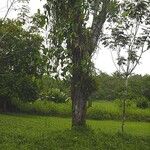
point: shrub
(57, 96)
(14, 87)
(142, 102)
(27, 89)
(129, 103)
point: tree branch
(98, 21)
(8, 10)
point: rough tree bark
(78, 102)
(77, 90)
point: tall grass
(111, 110)
(100, 110)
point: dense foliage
(20, 62)
(111, 87)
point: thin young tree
(129, 39)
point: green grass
(100, 110)
(28, 132)
(110, 110)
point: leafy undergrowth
(26, 132)
(100, 110)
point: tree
(130, 38)
(20, 62)
(72, 44)
(20, 49)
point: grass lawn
(28, 132)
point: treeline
(108, 87)
(111, 87)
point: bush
(14, 87)
(27, 89)
(103, 110)
(129, 103)
(57, 96)
(142, 103)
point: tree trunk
(77, 89)
(78, 109)
(124, 104)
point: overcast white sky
(102, 58)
